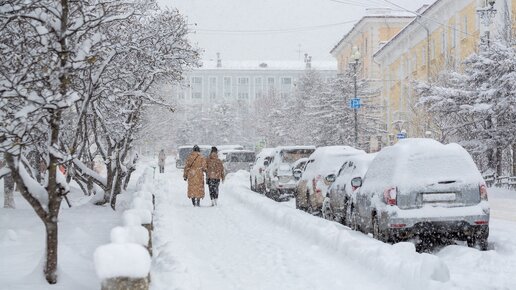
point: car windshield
(292, 155)
(241, 157)
(184, 152)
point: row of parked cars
(415, 188)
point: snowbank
(400, 261)
(137, 217)
(113, 260)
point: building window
(213, 95)
(454, 36)
(270, 81)
(227, 94)
(414, 62)
(181, 95)
(465, 26)
(432, 49)
(443, 42)
(243, 81)
(213, 82)
(258, 81)
(227, 82)
(258, 94)
(196, 95)
(284, 95)
(197, 80)
(286, 81)
(423, 56)
(242, 95)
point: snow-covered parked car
(420, 187)
(341, 192)
(279, 180)
(184, 151)
(316, 177)
(237, 160)
(257, 176)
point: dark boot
(193, 201)
(198, 202)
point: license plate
(439, 197)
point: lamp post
(356, 57)
(487, 14)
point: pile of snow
(122, 260)
(130, 234)
(137, 217)
(399, 261)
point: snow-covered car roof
(418, 162)
(266, 152)
(191, 147)
(335, 150)
(234, 151)
(230, 147)
(279, 148)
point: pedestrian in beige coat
(195, 167)
(215, 173)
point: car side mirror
(331, 178)
(356, 182)
(266, 163)
(297, 174)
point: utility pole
(355, 104)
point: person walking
(215, 173)
(193, 173)
(161, 161)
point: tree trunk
(128, 177)
(499, 171)
(9, 192)
(514, 159)
(51, 262)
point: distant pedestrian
(215, 173)
(161, 161)
(195, 167)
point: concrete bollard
(124, 283)
(123, 266)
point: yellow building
(367, 35)
(440, 37)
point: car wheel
(377, 234)
(344, 214)
(350, 217)
(251, 183)
(327, 213)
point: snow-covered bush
(122, 260)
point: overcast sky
(274, 29)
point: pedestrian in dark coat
(215, 173)
(195, 167)
(161, 161)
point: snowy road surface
(250, 242)
(233, 247)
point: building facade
(366, 37)
(244, 82)
(440, 37)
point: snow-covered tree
(477, 106)
(73, 73)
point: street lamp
(356, 57)
(487, 14)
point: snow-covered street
(251, 242)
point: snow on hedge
(122, 260)
(130, 234)
(400, 261)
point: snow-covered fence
(418, 271)
(125, 262)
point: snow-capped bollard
(123, 266)
(131, 234)
(137, 217)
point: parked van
(237, 160)
(184, 151)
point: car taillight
(483, 191)
(389, 196)
(314, 181)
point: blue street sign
(401, 135)
(355, 103)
